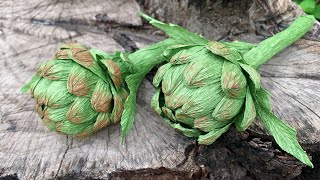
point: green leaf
(316, 11)
(249, 114)
(284, 135)
(308, 5)
(176, 32)
(253, 75)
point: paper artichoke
(79, 91)
(206, 86)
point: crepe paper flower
(206, 86)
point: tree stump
(30, 33)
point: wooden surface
(28, 150)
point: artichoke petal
(223, 50)
(207, 123)
(202, 101)
(55, 69)
(213, 135)
(249, 115)
(168, 113)
(118, 106)
(160, 73)
(253, 75)
(172, 79)
(81, 111)
(71, 128)
(56, 115)
(103, 120)
(155, 102)
(57, 95)
(233, 82)
(81, 81)
(102, 97)
(227, 108)
(40, 89)
(114, 72)
(189, 132)
(205, 69)
(184, 118)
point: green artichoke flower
(80, 91)
(207, 86)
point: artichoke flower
(83, 90)
(76, 94)
(206, 86)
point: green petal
(118, 105)
(57, 95)
(81, 81)
(186, 55)
(233, 82)
(212, 136)
(223, 50)
(40, 90)
(155, 102)
(208, 123)
(202, 101)
(184, 118)
(178, 97)
(33, 82)
(160, 73)
(172, 50)
(249, 115)
(168, 113)
(70, 128)
(101, 99)
(172, 79)
(114, 72)
(56, 115)
(253, 75)
(81, 111)
(227, 108)
(55, 69)
(186, 131)
(204, 69)
(103, 120)
(241, 47)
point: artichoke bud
(203, 88)
(80, 91)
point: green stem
(143, 61)
(275, 44)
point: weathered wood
(30, 35)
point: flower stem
(275, 44)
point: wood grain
(30, 33)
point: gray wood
(31, 33)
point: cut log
(152, 150)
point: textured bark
(30, 33)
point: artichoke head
(203, 89)
(80, 91)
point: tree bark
(30, 33)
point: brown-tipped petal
(160, 73)
(82, 56)
(81, 111)
(203, 70)
(49, 124)
(62, 55)
(40, 90)
(184, 118)
(55, 70)
(227, 108)
(101, 99)
(102, 121)
(168, 113)
(118, 106)
(114, 72)
(207, 123)
(172, 79)
(81, 81)
(233, 82)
